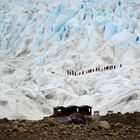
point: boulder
(90, 119)
(104, 125)
(77, 118)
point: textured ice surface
(41, 39)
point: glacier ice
(41, 39)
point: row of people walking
(97, 69)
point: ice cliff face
(41, 39)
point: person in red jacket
(89, 71)
(110, 67)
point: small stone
(22, 124)
(45, 133)
(104, 125)
(64, 133)
(15, 127)
(109, 134)
(15, 122)
(126, 130)
(90, 119)
(119, 125)
(95, 128)
(89, 131)
(20, 129)
(36, 126)
(30, 130)
(52, 122)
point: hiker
(120, 65)
(96, 69)
(104, 68)
(89, 71)
(107, 68)
(114, 67)
(82, 72)
(75, 73)
(93, 70)
(111, 67)
(79, 73)
(68, 72)
(72, 72)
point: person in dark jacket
(107, 68)
(96, 69)
(68, 73)
(72, 72)
(120, 65)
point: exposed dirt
(109, 127)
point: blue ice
(39, 60)
(110, 29)
(62, 19)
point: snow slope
(41, 39)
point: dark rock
(77, 118)
(4, 120)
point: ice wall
(41, 39)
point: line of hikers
(109, 67)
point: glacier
(41, 39)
